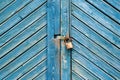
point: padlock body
(69, 45)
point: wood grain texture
(28, 66)
(5, 3)
(23, 25)
(95, 32)
(11, 10)
(100, 29)
(20, 16)
(76, 76)
(114, 3)
(53, 20)
(65, 53)
(30, 51)
(23, 40)
(94, 48)
(107, 9)
(98, 16)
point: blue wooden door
(30, 49)
(23, 39)
(95, 29)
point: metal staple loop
(60, 37)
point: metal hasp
(67, 41)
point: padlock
(68, 43)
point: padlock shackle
(67, 39)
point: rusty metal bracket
(58, 36)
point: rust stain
(57, 43)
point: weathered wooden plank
(92, 55)
(53, 57)
(82, 71)
(38, 69)
(90, 66)
(95, 47)
(42, 76)
(28, 65)
(23, 25)
(76, 76)
(98, 16)
(65, 54)
(22, 58)
(16, 6)
(23, 36)
(20, 15)
(109, 36)
(5, 3)
(23, 47)
(115, 3)
(107, 9)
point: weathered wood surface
(96, 38)
(53, 19)
(23, 39)
(29, 50)
(65, 54)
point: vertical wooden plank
(53, 60)
(65, 54)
